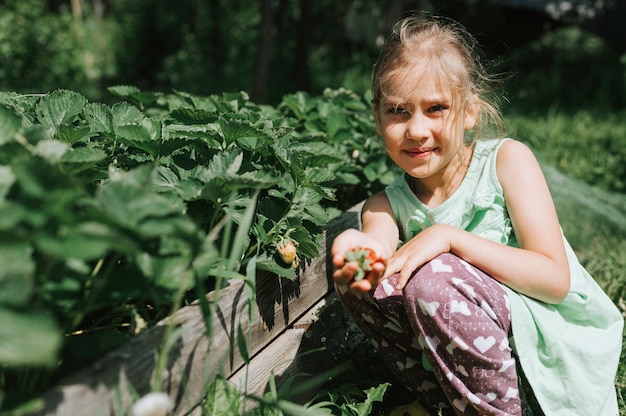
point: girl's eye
(437, 108)
(399, 111)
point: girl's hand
(346, 271)
(422, 248)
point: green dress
(569, 352)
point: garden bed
(284, 313)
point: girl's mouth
(420, 153)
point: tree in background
(267, 48)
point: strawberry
(287, 252)
(364, 258)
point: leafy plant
(111, 216)
(344, 120)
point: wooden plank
(283, 357)
(194, 359)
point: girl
(484, 308)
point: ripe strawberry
(364, 258)
(287, 252)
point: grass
(584, 159)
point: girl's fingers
(402, 279)
(406, 270)
(360, 287)
(344, 273)
(338, 260)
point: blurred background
(569, 53)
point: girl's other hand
(422, 248)
(345, 270)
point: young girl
(483, 309)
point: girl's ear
(471, 115)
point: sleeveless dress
(569, 352)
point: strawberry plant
(112, 216)
(344, 120)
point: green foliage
(38, 50)
(110, 213)
(203, 47)
(347, 399)
(585, 145)
(222, 398)
(568, 68)
(344, 120)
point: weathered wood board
(282, 313)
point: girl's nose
(417, 127)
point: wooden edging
(282, 313)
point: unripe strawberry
(364, 258)
(287, 251)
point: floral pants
(445, 336)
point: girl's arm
(379, 232)
(539, 268)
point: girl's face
(420, 131)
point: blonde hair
(444, 46)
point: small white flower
(153, 404)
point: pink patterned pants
(445, 337)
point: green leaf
(11, 215)
(167, 147)
(60, 107)
(99, 117)
(319, 175)
(374, 394)
(52, 150)
(235, 130)
(307, 246)
(174, 225)
(38, 177)
(16, 274)
(87, 241)
(134, 94)
(28, 338)
(7, 179)
(138, 137)
(241, 241)
(193, 116)
(222, 177)
(123, 90)
(305, 198)
(294, 409)
(125, 113)
(167, 271)
(299, 104)
(81, 158)
(316, 214)
(130, 205)
(71, 134)
(167, 180)
(9, 125)
(317, 154)
(222, 398)
(134, 133)
(270, 265)
(242, 345)
(335, 122)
